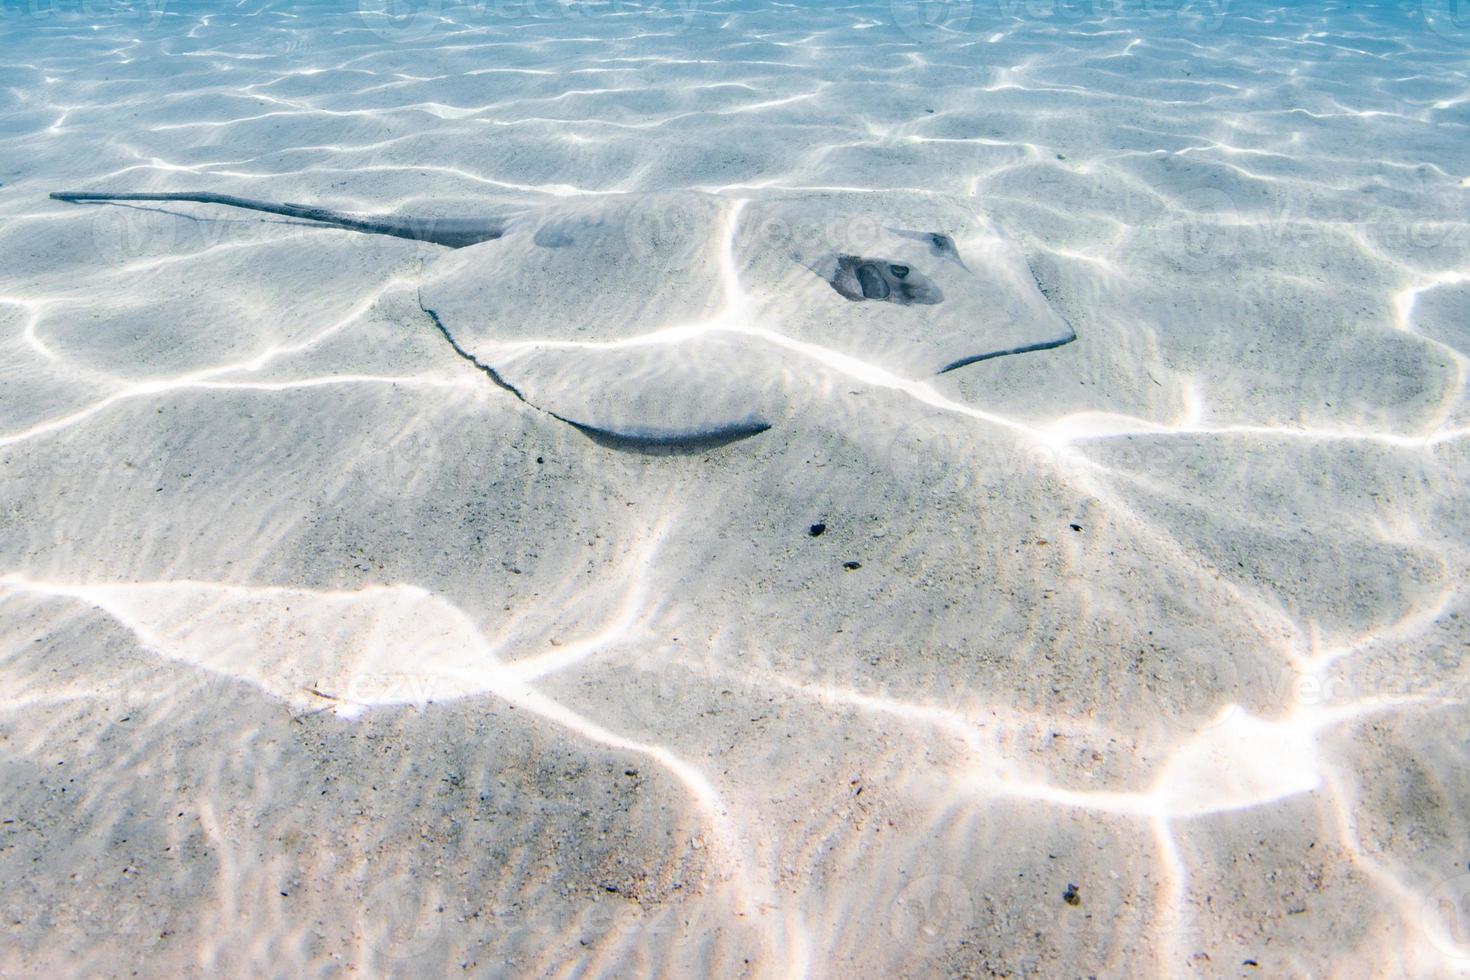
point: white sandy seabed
(323, 655)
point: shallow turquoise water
(373, 607)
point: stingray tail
(449, 232)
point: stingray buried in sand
(680, 360)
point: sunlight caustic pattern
(1144, 655)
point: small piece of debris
(816, 529)
(852, 566)
(1075, 527)
(1070, 896)
(630, 772)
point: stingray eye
(899, 270)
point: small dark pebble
(1070, 896)
(816, 529)
(852, 566)
(928, 110)
(1075, 527)
(540, 460)
(1249, 963)
(1061, 156)
(630, 772)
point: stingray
(858, 278)
(665, 322)
(449, 232)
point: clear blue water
(771, 489)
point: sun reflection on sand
(1135, 656)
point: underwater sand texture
(324, 655)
